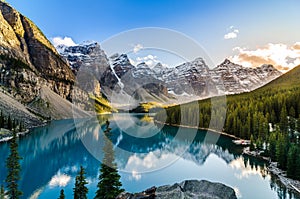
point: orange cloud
(281, 56)
(296, 46)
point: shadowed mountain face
(190, 80)
(29, 63)
(28, 59)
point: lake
(147, 154)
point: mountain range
(190, 80)
(40, 82)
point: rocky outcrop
(88, 60)
(189, 189)
(187, 81)
(116, 75)
(29, 62)
(235, 78)
(28, 59)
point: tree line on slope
(249, 116)
(11, 124)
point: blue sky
(251, 26)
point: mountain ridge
(28, 63)
(191, 79)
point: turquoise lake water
(146, 154)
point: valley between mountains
(40, 82)
(66, 97)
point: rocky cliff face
(117, 76)
(195, 78)
(189, 80)
(89, 60)
(188, 189)
(28, 61)
(238, 79)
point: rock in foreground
(189, 189)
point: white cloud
(60, 180)
(137, 48)
(281, 56)
(67, 41)
(135, 175)
(232, 33)
(242, 171)
(150, 60)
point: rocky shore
(293, 185)
(289, 183)
(189, 189)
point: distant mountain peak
(198, 61)
(89, 42)
(227, 62)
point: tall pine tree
(62, 194)
(291, 161)
(109, 185)
(14, 168)
(80, 190)
(2, 192)
(9, 123)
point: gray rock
(189, 189)
(29, 62)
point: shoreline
(291, 184)
(23, 133)
(9, 137)
(199, 128)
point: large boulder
(189, 189)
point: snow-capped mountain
(159, 83)
(238, 79)
(89, 59)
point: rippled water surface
(146, 155)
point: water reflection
(53, 154)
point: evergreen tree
(298, 124)
(2, 192)
(80, 190)
(283, 120)
(252, 143)
(281, 151)
(1, 120)
(109, 185)
(297, 170)
(292, 112)
(62, 194)
(291, 161)
(14, 168)
(9, 123)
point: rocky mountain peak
(268, 67)
(22, 41)
(237, 79)
(196, 66)
(228, 65)
(142, 65)
(226, 62)
(85, 49)
(120, 59)
(29, 63)
(199, 61)
(159, 65)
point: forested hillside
(249, 116)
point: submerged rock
(189, 189)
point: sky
(250, 33)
